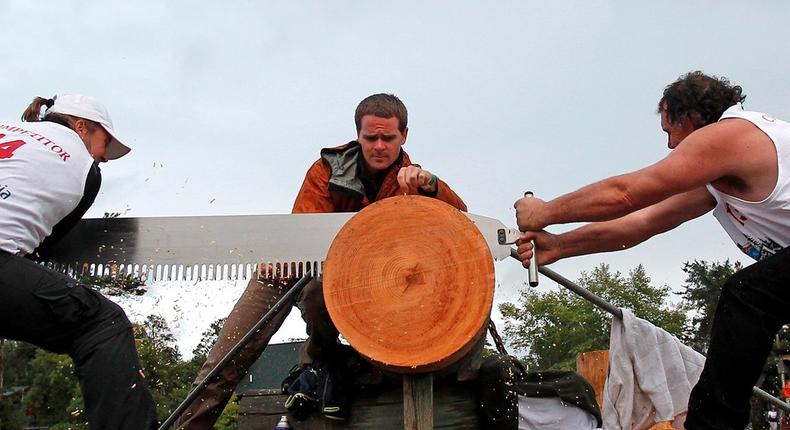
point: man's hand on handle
(528, 213)
(549, 245)
(526, 216)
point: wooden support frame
(418, 401)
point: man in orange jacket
(345, 179)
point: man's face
(677, 131)
(381, 141)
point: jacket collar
(345, 163)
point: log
(409, 283)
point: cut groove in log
(409, 282)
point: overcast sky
(226, 104)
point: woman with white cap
(49, 177)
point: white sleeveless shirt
(43, 169)
(760, 229)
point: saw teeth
(284, 270)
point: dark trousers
(754, 304)
(322, 341)
(54, 312)
(258, 298)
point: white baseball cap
(89, 108)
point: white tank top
(43, 169)
(760, 229)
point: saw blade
(213, 247)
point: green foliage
(208, 338)
(14, 367)
(115, 285)
(54, 393)
(11, 414)
(168, 377)
(14, 357)
(555, 326)
(54, 396)
(230, 416)
(701, 295)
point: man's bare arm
(704, 156)
(620, 233)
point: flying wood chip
(409, 282)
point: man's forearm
(636, 227)
(599, 237)
(602, 201)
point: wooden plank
(418, 402)
(377, 407)
(594, 367)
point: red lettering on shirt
(735, 214)
(7, 148)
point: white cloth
(762, 228)
(551, 413)
(43, 169)
(651, 374)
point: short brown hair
(700, 97)
(383, 106)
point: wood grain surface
(409, 282)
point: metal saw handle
(533, 262)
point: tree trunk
(409, 282)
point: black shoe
(300, 406)
(336, 413)
(303, 387)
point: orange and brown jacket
(332, 183)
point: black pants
(259, 297)
(322, 340)
(754, 304)
(50, 310)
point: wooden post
(418, 402)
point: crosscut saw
(218, 247)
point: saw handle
(533, 262)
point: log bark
(409, 282)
